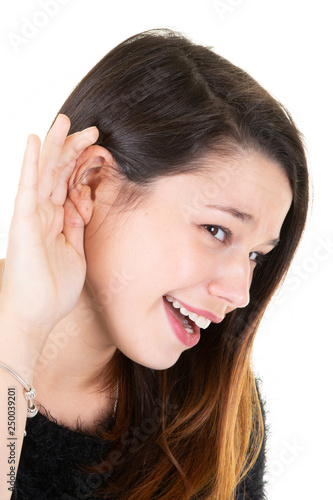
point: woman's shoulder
(51, 459)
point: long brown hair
(160, 102)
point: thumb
(73, 226)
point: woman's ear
(86, 178)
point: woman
(141, 257)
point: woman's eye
(218, 232)
(254, 256)
(257, 257)
(223, 235)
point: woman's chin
(156, 363)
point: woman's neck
(68, 372)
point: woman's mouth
(185, 329)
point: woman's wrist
(20, 348)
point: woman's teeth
(187, 326)
(200, 321)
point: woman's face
(196, 239)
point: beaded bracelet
(29, 392)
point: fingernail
(89, 130)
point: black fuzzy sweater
(52, 453)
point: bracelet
(29, 392)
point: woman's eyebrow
(244, 216)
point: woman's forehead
(218, 177)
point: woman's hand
(45, 262)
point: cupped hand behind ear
(45, 263)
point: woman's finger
(73, 228)
(76, 143)
(27, 194)
(50, 155)
(73, 147)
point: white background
(287, 46)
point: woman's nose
(232, 281)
